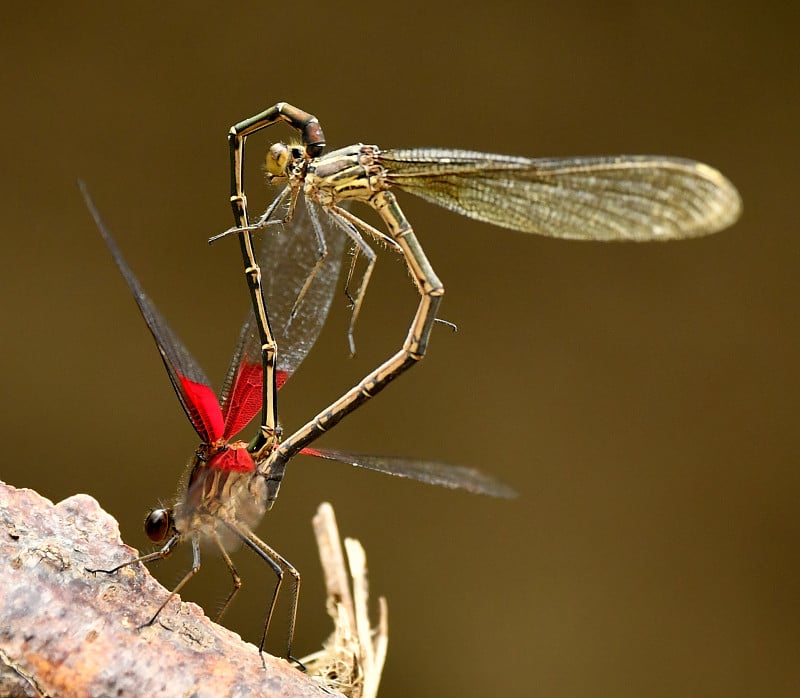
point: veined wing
(288, 255)
(193, 389)
(243, 391)
(430, 472)
(625, 197)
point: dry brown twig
(352, 658)
(66, 632)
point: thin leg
(350, 225)
(280, 566)
(191, 573)
(361, 246)
(359, 223)
(322, 255)
(350, 272)
(165, 551)
(169, 546)
(414, 347)
(267, 220)
(237, 580)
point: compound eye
(277, 159)
(158, 524)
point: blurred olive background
(641, 398)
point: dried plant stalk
(352, 659)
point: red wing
(203, 409)
(245, 398)
(190, 383)
(453, 476)
(236, 459)
(243, 390)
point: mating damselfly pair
(293, 277)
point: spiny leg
(366, 227)
(357, 223)
(361, 247)
(350, 272)
(414, 347)
(266, 218)
(292, 193)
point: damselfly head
(159, 525)
(277, 159)
(285, 161)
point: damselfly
(227, 488)
(621, 197)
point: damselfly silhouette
(621, 197)
(228, 488)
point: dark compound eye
(158, 524)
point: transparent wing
(288, 256)
(625, 197)
(190, 383)
(432, 473)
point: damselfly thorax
(216, 503)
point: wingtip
(727, 203)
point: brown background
(643, 399)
